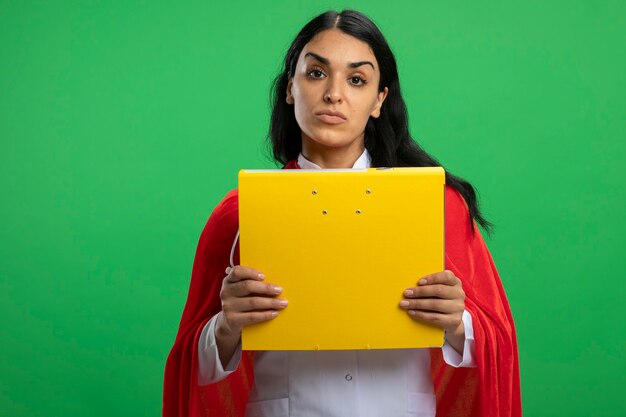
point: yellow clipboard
(343, 244)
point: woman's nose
(333, 94)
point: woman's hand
(438, 299)
(246, 299)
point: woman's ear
(289, 96)
(379, 103)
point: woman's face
(334, 92)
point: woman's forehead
(336, 45)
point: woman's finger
(435, 291)
(239, 320)
(249, 304)
(239, 273)
(433, 305)
(438, 319)
(444, 277)
(250, 287)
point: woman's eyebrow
(361, 63)
(325, 61)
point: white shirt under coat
(341, 383)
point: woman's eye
(357, 81)
(315, 73)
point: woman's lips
(331, 117)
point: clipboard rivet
(324, 212)
(368, 191)
(314, 192)
(358, 212)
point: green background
(123, 123)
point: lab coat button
(348, 377)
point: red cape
(489, 390)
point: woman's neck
(329, 158)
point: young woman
(337, 104)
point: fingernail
(274, 313)
(423, 281)
(278, 290)
(283, 303)
(411, 312)
(404, 303)
(408, 293)
(262, 276)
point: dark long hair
(387, 138)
